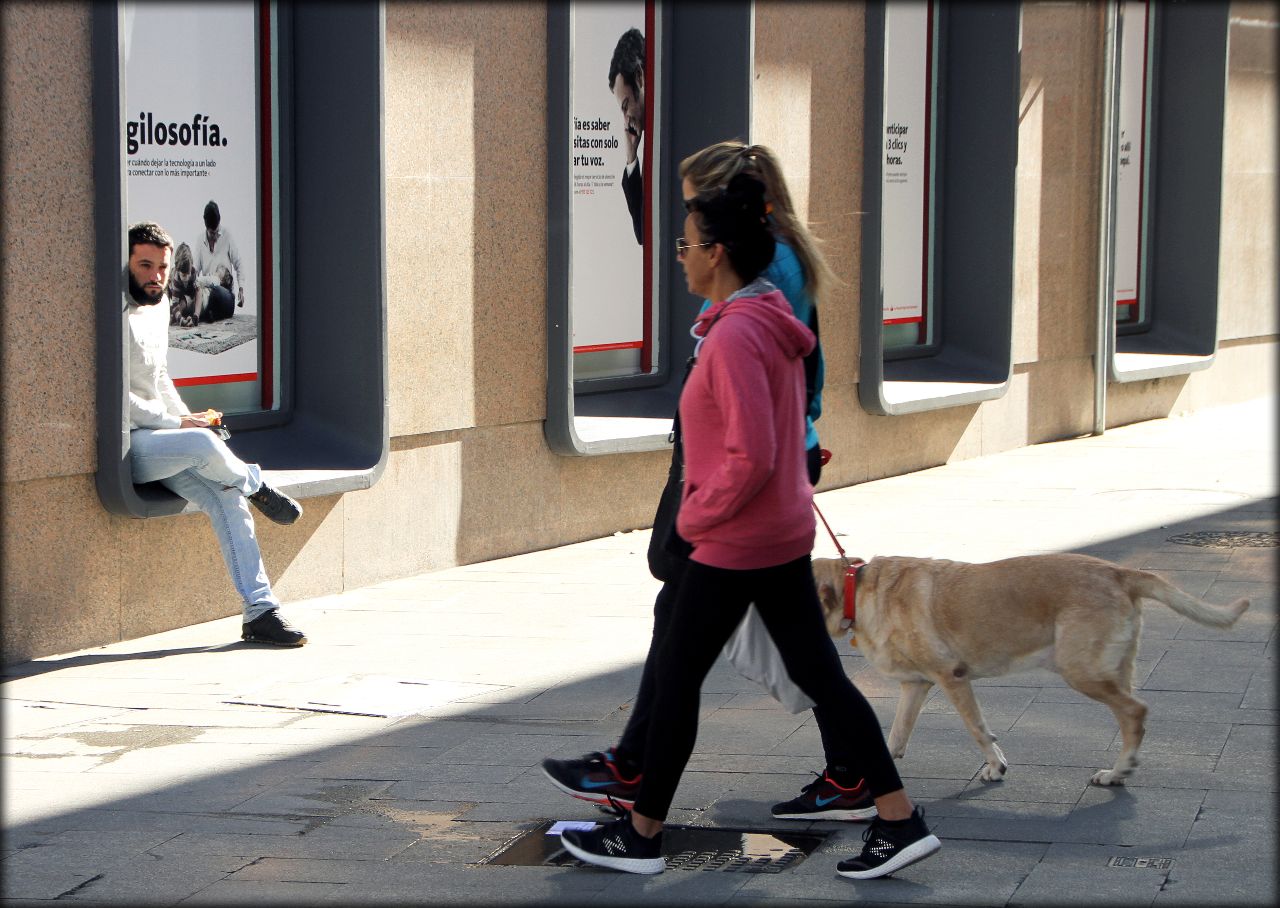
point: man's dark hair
(148, 233)
(628, 58)
(212, 216)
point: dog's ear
(827, 596)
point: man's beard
(140, 295)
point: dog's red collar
(851, 571)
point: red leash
(851, 566)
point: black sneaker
(278, 506)
(823, 799)
(595, 777)
(890, 847)
(269, 627)
(616, 845)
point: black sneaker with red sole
(597, 777)
(823, 799)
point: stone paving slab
(1123, 818)
(963, 873)
(151, 880)
(231, 891)
(132, 776)
(1055, 880)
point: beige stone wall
(470, 476)
(48, 237)
(1249, 266)
(807, 106)
(58, 553)
(1248, 271)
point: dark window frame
(1183, 216)
(976, 152)
(331, 432)
(702, 104)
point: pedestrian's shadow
(42, 666)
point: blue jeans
(198, 466)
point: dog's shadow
(1113, 816)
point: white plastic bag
(753, 653)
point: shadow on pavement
(269, 812)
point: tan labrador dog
(924, 621)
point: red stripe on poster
(646, 271)
(266, 267)
(215, 379)
(596, 348)
(925, 258)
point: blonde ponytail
(714, 166)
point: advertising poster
(610, 174)
(190, 131)
(1127, 246)
(908, 36)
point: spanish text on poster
(191, 155)
(904, 168)
(1127, 242)
(608, 150)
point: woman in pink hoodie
(747, 511)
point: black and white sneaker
(271, 627)
(823, 799)
(616, 845)
(889, 846)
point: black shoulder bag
(668, 551)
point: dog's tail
(1145, 585)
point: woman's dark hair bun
(735, 217)
(746, 193)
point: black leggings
(709, 604)
(630, 749)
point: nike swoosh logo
(823, 802)
(587, 783)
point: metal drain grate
(683, 847)
(1222, 539)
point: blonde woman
(798, 268)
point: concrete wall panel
(47, 404)
(407, 523)
(64, 566)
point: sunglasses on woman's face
(682, 246)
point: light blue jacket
(787, 274)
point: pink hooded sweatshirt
(747, 498)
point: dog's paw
(994, 772)
(1108, 777)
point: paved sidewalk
(385, 760)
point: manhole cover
(1221, 539)
(683, 847)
